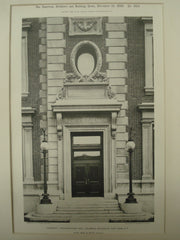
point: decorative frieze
(98, 77)
(85, 26)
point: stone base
(131, 207)
(46, 209)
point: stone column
(27, 157)
(60, 155)
(147, 150)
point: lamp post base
(130, 198)
(45, 199)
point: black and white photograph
(88, 119)
(87, 126)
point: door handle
(87, 181)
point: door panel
(87, 167)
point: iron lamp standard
(130, 148)
(44, 149)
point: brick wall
(32, 100)
(136, 83)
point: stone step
(85, 204)
(115, 207)
(121, 217)
(88, 213)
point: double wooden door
(87, 164)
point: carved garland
(98, 77)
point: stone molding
(95, 105)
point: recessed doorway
(87, 164)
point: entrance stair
(88, 210)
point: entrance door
(87, 164)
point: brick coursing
(136, 83)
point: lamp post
(44, 149)
(130, 148)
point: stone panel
(120, 129)
(116, 27)
(117, 81)
(122, 136)
(116, 65)
(52, 146)
(55, 67)
(52, 130)
(122, 120)
(55, 83)
(56, 59)
(56, 74)
(53, 154)
(42, 48)
(116, 57)
(116, 19)
(55, 51)
(119, 89)
(121, 160)
(116, 42)
(117, 73)
(55, 20)
(55, 28)
(53, 160)
(120, 144)
(52, 137)
(116, 34)
(121, 97)
(53, 90)
(53, 169)
(52, 122)
(52, 36)
(56, 43)
(51, 98)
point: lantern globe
(44, 146)
(130, 145)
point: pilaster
(55, 77)
(116, 58)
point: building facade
(88, 81)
